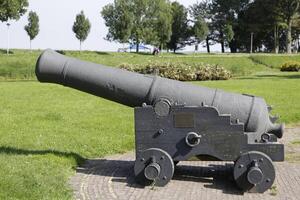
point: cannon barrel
(133, 89)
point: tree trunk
(289, 37)
(207, 45)
(196, 47)
(137, 44)
(276, 38)
(222, 42)
(298, 45)
(161, 46)
(222, 46)
(233, 46)
(80, 46)
(30, 45)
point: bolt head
(142, 159)
(165, 178)
(241, 166)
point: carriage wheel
(154, 166)
(254, 172)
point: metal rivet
(268, 180)
(144, 105)
(165, 178)
(161, 131)
(241, 166)
(142, 159)
(261, 160)
(162, 158)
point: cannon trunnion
(175, 121)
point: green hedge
(181, 71)
(291, 66)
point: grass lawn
(47, 130)
(21, 64)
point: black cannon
(175, 121)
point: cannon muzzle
(133, 89)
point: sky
(56, 21)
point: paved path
(112, 178)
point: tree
(201, 30)
(225, 20)
(228, 33)
(163, 23)
(138, 21)
(202, 10)
(81, 27)
(119, 20)
(288, 10)
(180, 29)
(12, 10)
(32, 28)
(223, 15)
(261, 18)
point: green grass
(47, 130)
(279, 89)
(274, 61)
(21, 64)
(296, 142)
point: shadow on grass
(15, 151)
(142, 53)
(5, 80)
(101, 53)
(215, 177)
(2, 51)
(271, 76)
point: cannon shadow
(212, 177)
(16, 151)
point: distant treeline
(241, 25)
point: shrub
(291, 66)
(181, 71)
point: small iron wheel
(254, 172)
(154, 166)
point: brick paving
(112, 178)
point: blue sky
(56, 20)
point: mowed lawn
(21, 64)
(46, 130)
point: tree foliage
(81, 27)
(201, 29)
(275, 24)
(180, 29)
(12, 9)
(138, 21)
(33, 27)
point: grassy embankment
(20, 65)
(47, 130)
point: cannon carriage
(175, 121)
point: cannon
(176, 121)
